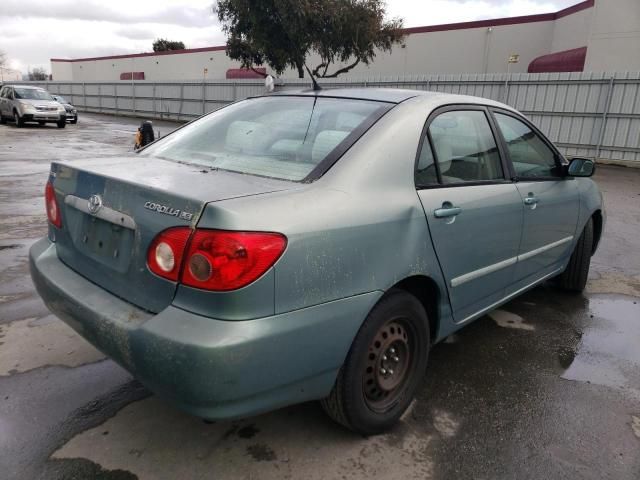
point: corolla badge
(167, 210)
(94, 204)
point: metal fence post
(115, 96)
(235, 96)
(84, 96)
(204, 97)
(181, 99)
(100, 97)
(506, 89)
(605, 113)
(133, 95)
(153, 94)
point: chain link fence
(586, 114)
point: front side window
(465, 150)
(530, 155)
(283, 137)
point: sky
(33, 31)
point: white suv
(23, 103)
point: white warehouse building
(594, 35)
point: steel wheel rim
(391, 358)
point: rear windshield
(32, 94)
(282, 137)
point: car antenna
(316, 87)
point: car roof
(392, 95)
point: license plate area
(105, 242)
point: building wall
(611, 30)
(572, 31)
(614, 43)
(478, 50)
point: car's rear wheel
(2, 120)
(62, 124)
(574, 278)
(384, 367)
(18, 120)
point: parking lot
(548, 386)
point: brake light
(222, 260)
(51, 204)
(165, 253)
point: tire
(18, 120)
(3, 120)
(574, 278)
(41, 123)
(62, 124)
(366, 398)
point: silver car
(22, 104)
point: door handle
(447, 210)
(531, 200)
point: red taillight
(165, 253)
(220, 260)
(53, 211)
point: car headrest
(444, 152)
(326, 141)
(248, 137)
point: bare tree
(38, 74)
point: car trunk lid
(112, 209)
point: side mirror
(581, 167)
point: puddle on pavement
(608, 352)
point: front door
(551, 201)
(4, 91)
(474, 213)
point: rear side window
(282, 137)
(530, 155)
(461, 149)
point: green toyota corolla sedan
(311, 246)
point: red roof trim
(543, 17)
(149, 54)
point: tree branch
(317, 69)
(342, 70)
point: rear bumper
(211, 368)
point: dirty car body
(357, 193)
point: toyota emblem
(94, 204)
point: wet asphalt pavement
(548, 386)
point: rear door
(473, 209)
(550, 199)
